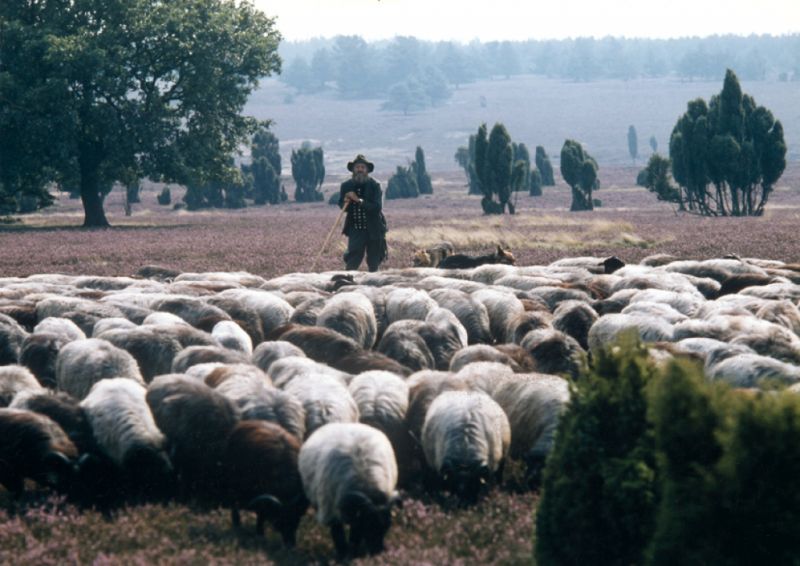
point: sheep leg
(339, 539)
(236, 517)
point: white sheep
(16, 379)
(82, 363)
(126, 434)
(231, 335)
(268, 352)
(63, 327)
(649, 329)
(349, 475)
(503, 308)
(406, 303)
(465, 438)
(352, 315)
(325, 399)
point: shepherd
(365, 225)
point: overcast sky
(488, 20)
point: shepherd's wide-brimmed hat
(360, 159)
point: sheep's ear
(265, 504)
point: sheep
(243, 316)
(82, 363)
(657, 310)
(196, 420)
(163, 318)
(447, 334)
(105, 324)
(307, 312)
(783, 312)
(483, 353)
(554, 352)
(405, 303)
(484, 376)
(402, 342)
(608, 327)
(131, 460)
(15, 379)
(320, 344)
(269, 352)
(154, 352)
(465, 438)
(325, 400)
(553, 296)
(64, 409)
(533, 403)
(215, 374)
(752, 370)
(365, 360)
(230, 335)
(503, 308)
(352, 315)
(349, 474)
(185, 334)
(39, 353)
(194, 355)
(11, 338)
(34, 446)
(424, 387)
(260, 401)
(286, 369)
(575, 318)
(60, 326)
(471, 313)
(273, 311)
(195, 311)
(262, 475)
(382, 399)
(685, 303)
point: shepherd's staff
(328, 238)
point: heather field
(269, 241)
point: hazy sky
(487, 20)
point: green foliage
(633, 143)
(403, 184)
(265, 170)
(653, 144)
(489, 165)
(423, 179)
(599, 482)
(544, 167)
(536, 183)
(655, 465)
(728, 466)
(579, 170)
(655, 177)
(728, 154)
(308, 171)
(144, 86)
(521, 172)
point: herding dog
(433, 255)
(460, 261)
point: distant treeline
(411, 73)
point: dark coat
(373, 197)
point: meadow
(273, 240)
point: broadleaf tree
(133, 88)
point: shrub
(164, 197)
(403, 184)
(599, 482)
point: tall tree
(545, 167)
(728, 154)
(308, 170)
(147, 86)
(497, 172)
(579, 170)
(633, 143)
(421, 171)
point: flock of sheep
(333, 389)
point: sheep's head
(369, 519)
(466, 481)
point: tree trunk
(92, 199)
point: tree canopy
(727, 154)
(98, 91)
(579, 170)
